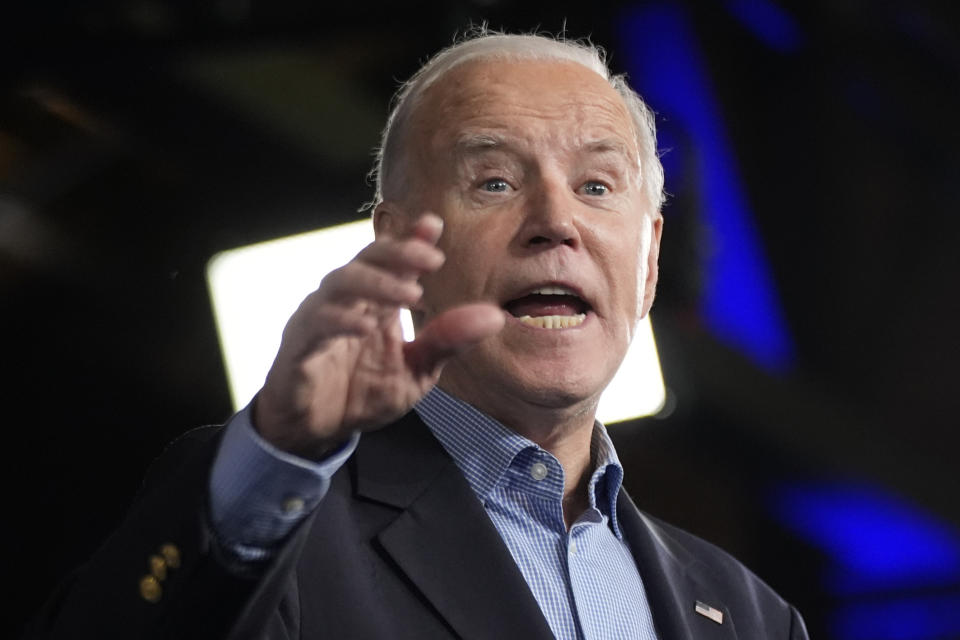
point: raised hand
(343, 365)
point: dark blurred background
(807, 312)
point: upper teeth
(553, 291)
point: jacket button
(171, 555)
(158, 567)
(150, 589)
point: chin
(564, 401)
(553, 383)
(559, 393)
(493, 376)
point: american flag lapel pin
(709, 612)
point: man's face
(533, 167)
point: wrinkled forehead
(537, 97)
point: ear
(653, 265)
(389, 220)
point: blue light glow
(739, 302)
(924, 618)
(768, 22)
(876, 542)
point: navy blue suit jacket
(399, 548)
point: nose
(550, 217)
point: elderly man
(458, 485)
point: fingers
(428, 228)
(322, 321)
(450, 333)
(359, 280)
(385, 272)
(410, 257)
(370, 288)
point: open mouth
(549, 307)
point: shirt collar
(484, 449)
(607, 477)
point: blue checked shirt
(585, 579)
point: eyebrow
(475, 143)
(607, 145)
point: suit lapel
(443, 540)
(670, 582)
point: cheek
(473, 249)
(459, 280)
(625, 271)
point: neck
(566, 432)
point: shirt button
(292, 506)
(538, 471)
(573, 547)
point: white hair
(483, 44)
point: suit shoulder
(200, 441)
(706, 555)
(756, 605)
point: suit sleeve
(125, 592)
(798, 629)
(259, 494)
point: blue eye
(594, 188)
(495, 185)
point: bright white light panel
(256, 288)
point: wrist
(295, 441)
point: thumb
(450, 333)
